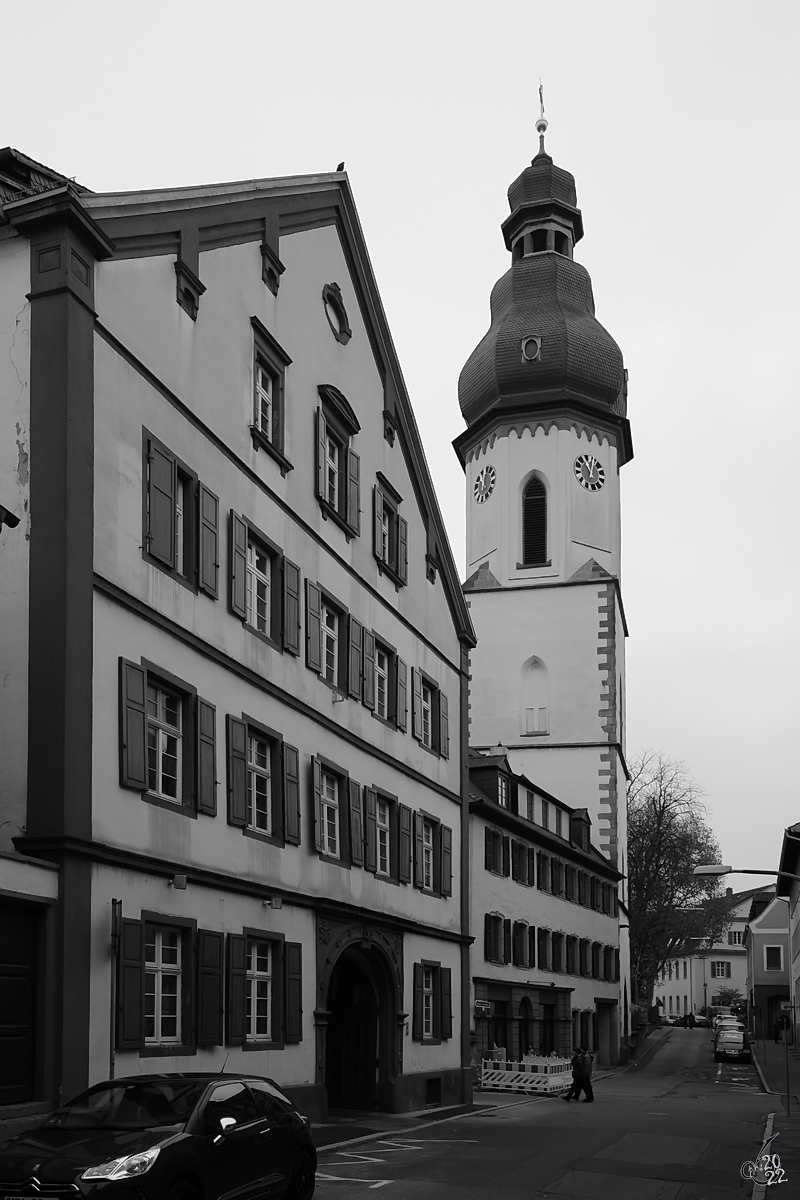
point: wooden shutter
(515, 860)
(130, 989)
(293, 952)
(322, 438)
(313, 627)
(133, 725)
(446, 1002)
(209, 543)
(291, 794)
(368, 671)
(206, 758)
(237, 771)
(235, 998)
(444, 727)
(371, 829)
(210, 956)
(531, 946)
(531, 868)
(446, 874)
(291, 607)
(377, 524)
(487, 937)
(356, 825)
(238, 566)
(354, 491)
(402, 549)
(317, 775)
(507, 940)
(277, 803)
(419, 871)
(404, 856)
(356, 632)
(416, 704)
(506, 857)
(402, 696)
(161, 483)
(419, 1002)
(488, 855)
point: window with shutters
(264, 586)
(572, 956)
(432, 1009)
(338, 464)
(263, 991)
(390, 532)
(430, 714)
(433, 855)
(181, 519)
(428, 839)
(495, 856)
(339, 814)
(168, 996)
(520, 941)
(162, 986)
(329, 814)
(734, 937)
(334, 642)
(258, 990)
(493, 947)
(534, 524)
(270, 361)
(383, 681)
(167, 739)
(263, 782)
(383, 822)
(557, 952)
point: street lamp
(719, 869)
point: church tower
(544, 398)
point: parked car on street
(699, 1019)
(166, 1137)
(731, 1043)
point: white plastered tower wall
(544, 396)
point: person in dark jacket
(581, 1076)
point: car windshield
(130, 1105)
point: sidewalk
(770, 1059)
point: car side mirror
(225, 1123)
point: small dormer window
(502, 791)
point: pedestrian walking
(692, 1021)
(776, 1029)
(581, 1076)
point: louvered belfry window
(534, 523)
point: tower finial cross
(541, 124)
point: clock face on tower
(589, 473)
(484, 484)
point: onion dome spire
(545, 349)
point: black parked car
(166, 1137)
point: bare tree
(672, 911)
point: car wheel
(182, 1190)
(301, 1185)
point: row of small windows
(537, 241)
(523, 945)
(533, 868)
(182, 519)
(168, 752)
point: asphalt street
(677, 1128)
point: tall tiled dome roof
(545, 296)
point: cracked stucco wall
(14, 543)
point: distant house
(689, 983)
(767, 948)
(789, 889)
(545, 963)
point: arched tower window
(534, 697)
(534, 523)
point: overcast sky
(680, 124)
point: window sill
(264, 1046)
(166, 1051)
(258, 835)
(430, 1041)
(329, 511)
(533, 566)
(334, 687)
(388, 570)
(263, 637)
(184, 810)
(387, 721)
(262, 442)
(178, 576)
(537, 733)
(336, 862)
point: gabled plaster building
(767, 946)
(232, 817)
(544, 397)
